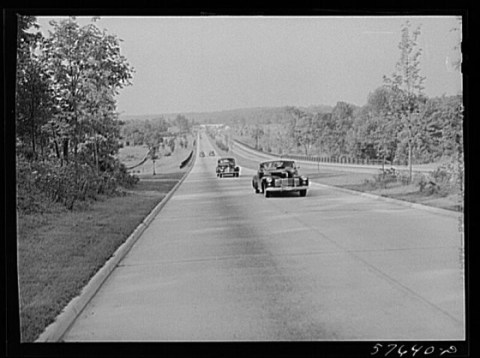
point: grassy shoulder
(396, 190)
(365, 182)
(60, 250)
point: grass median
(59, 251)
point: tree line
(67, 127)
(398, 124)
(367, 132)
(154, 132)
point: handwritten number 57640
(415, 349)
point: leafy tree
(33, 100)
(442, 134)
(325, 139)
(374, 131)
(65, 91)
(87, 70)
(182, 123)
(257, 133)
(341, 123)
(304, 129)
(362, 136)
(239, 125)
(407, 86)
(171, 144)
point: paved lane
(222, 263)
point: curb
(408, 204)
(56, 330)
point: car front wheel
(303, 192)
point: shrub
(450, 173)
(385, 177)
(41, 182)
(426, 184)
(444, 180)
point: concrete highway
(220, 263)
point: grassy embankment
(365, 182)
(60, 250)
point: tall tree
(342, 121)
(382, 126)
(407, 86)
(33, 99)
(257, 133)
(304, 129)
(88, 70)
(182, 123)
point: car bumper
(227, 173)
(286, 188)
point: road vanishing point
(221, 263)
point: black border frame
(15, 348)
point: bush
(445, 180)
(385, 177)
(41, 182)
(450, 173)
(426, 184)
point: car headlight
(268, 179)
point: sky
(212, 63)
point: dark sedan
(227, 166)
(279, 176)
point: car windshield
(226, 161)
(278, 164)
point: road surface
(220, 263)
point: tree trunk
(32, 121)
(65, 149)
(34, 149)
(57, 149)
(409, 161)
(95, 147)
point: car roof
(277, 160)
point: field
(60, 250)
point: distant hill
(250, 115)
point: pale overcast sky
(189, 64)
